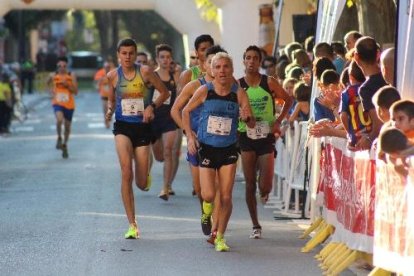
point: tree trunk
(377, 19)
(347, 22)
(102, 20)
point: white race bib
(219, 125)
(62, 97)
(260, 130)
(157, 94)
(131, 107)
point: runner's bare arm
(197, 99)
(185, 78)
(280, 93)
(112, 77)
(246, 113)
(181, 100)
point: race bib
(157, 94)
(62, 97)
(260, 130)
(219, 125)
(131, 107)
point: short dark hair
(329, 77)
(321, 65)
(295, 72)
(203, 38)
(253, 48)
(323, 49)
(367, 49)
(142, 54)
(386, 96)
(355, 71)
(162, 47)
(344, 77)
(126, 42)
(405, 106)
(302, 92)
(309, 43)
(63, 58)
(392, 140)
(338, 48)
(214, 50)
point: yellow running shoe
(132, 233)
(220, 245)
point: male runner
(129, 99)
(258, 144)
(217, 137)
(63, 87)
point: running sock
(207, 208)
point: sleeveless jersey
(165, 108)
(195, 114)
(195, 72)
(263, 108)
(132, 97)
(218, 118)
(62, 95)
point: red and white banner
(347, 184)
(394, 219)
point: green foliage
(208, 10)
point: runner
(129, 99)
(103, 86)
(63, 86)
(201, 44)
(258, 144)
(164, 128)
(217, 137)
(185, 95)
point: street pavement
(65, 216)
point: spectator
(366, 56)
(302, 94)
(6, 104)
(27, 74)
(383, 100)
(403, 117)
(387, 65)
(269, 65)
(350, 39)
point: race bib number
(131, 107)
(260, 130)
(219, 125)
(62, 97)
(157, 94)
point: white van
(84, 63)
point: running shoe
(149, 183)
(132, 233)
(212, 237)
(206, 218)
(65, 153)
(59, 143)
(163, 196)
(220, 245)
(256, 233)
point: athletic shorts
(138, 133)
(67, 113)
(162, 125)
(259, 146)
(193, 159)
(215, 158)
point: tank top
(195, 72)
(63, 96)
(165, 108)
(195, 114)
(218, 118)
(263, 108)
(131, 97)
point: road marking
(96, 125)
(23, 129)
(53, 137)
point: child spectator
(353, 119)
(288, 85)
(302, 94)
(383, 100)
(330, 87)
(403, 116)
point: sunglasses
(193, 57)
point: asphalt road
(65, 217)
